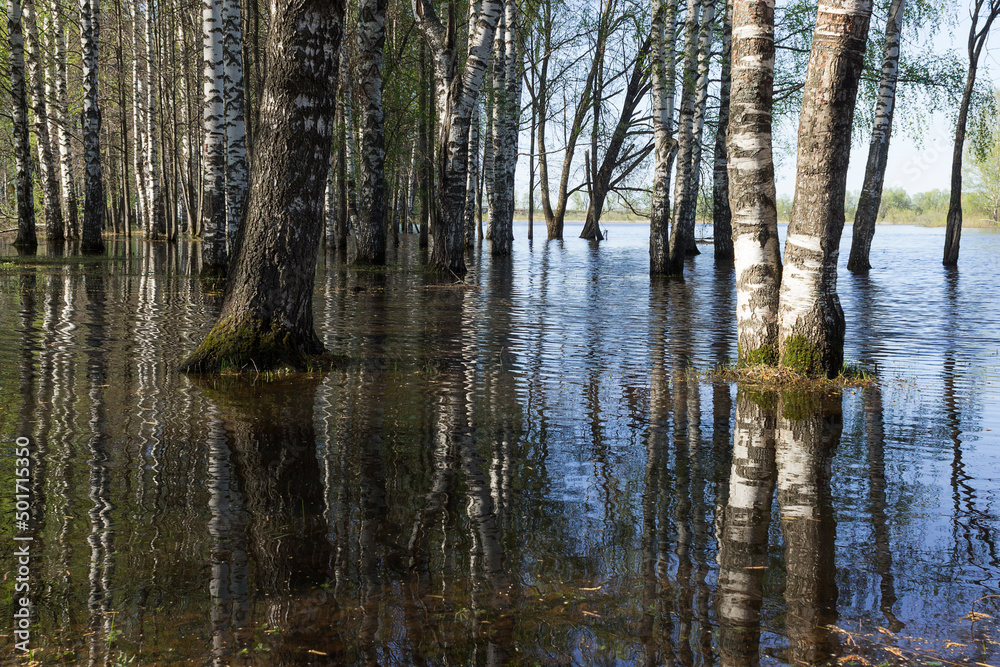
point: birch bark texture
(236, 135)
(214, 212)
(722, 216)
(685, 140)
(664, 74)
(757, 256)
(878, 149)
(26, 238)
(61, 114)
(266, 320)
(456, 93)
(977, 40)
(156, 223)
(54, 228)
(811, 320)
(507, 118)
(371, 231)
(93, 187)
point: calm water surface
(520, 470)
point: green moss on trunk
(801, 356)
(250, 346)
(765, 355)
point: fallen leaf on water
(976, 616)
(590, 613)
(884, 631)
(853, 658)
(592, 589)
(316, 652)
(895, 651)
(953, 644)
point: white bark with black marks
(214, 211)
(811, 320)
(156, 223)
(371, 230)
(26, 238)
(751, 182)
(61, 116)
(722, 217)
(685, 143)
(236, 136)
(664, 77)
(93, 186)
(456, 94)
(55, 231)
(878, 149)
(266, 320)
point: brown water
(521, 470)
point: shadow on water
(521, 469)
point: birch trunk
(456, 92)
(93, 187)
(811, 320)
(340, 225)
(664, 75)
(689, 212)
(977, 39)
(154, 193)
(61, 109)
(236, 137)
(26, 238)
(751, 183)
(214, 212)
(507, 117)
(722, 217)
(472, 182)
(54, 228)
(138, 120)
(371, 231)
(685, 140)
(266, 320)
(878, 150)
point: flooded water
(521, 470)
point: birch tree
(93, 187)
(683, 193)
(139, 126)
(61, 115)
(214, 212)
(506, 122)
(371, 232)
(26, 238)
(456, 92)
(664, 76)
(156, 223)
(878, 149)
(751, 182)
(236, 142)
(266, 320)
(985, 11)
(722, 217)
(811, 320)
(54, 228)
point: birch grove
(456, 91)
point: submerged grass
(781, 377)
